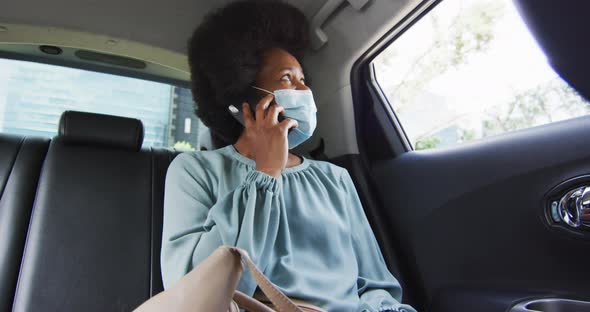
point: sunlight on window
(470, 69)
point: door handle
(573, 208)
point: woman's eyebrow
(292, 69)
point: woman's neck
(245, 149)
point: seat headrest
(113, 131)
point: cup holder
(552, 305)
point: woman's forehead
(278, 60)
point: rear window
(33, 97)
(470, 69)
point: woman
(300, 220)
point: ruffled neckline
(231, 151)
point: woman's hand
(268, 136)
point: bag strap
(281, 302)
(249, 304)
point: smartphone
(237, 112)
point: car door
(489, 220)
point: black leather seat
(94, 238)
(20, 163)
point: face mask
(299, 105)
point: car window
(33, 97)
(470, 69)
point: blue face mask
(299, 105)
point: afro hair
(225, 54)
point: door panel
(473, 223)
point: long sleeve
(377, 288)
(196, 222)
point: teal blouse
(305, 230)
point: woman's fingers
(262, 106)
(287, 124)
(272, 118)
(248, 118)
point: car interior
(500, 222)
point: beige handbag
(211, 287)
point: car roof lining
(163, 24)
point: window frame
(364, 79)
(366, 87)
